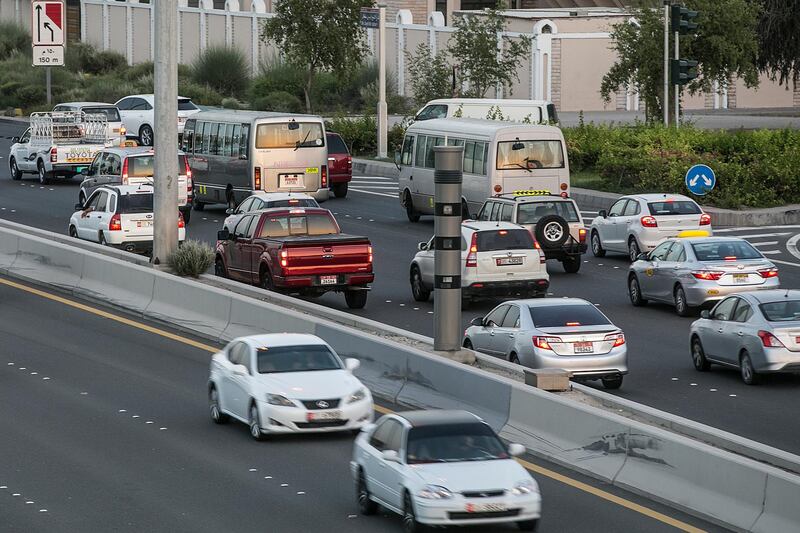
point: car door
(628, 222)
(21, 152)
(236, 261)
(374, 465)
(732, 335)
(388, 475)
(670, 270)
(659, 281)
(250, 252)
(742, 330)
(483, 339)
(125, 106)
(110, 170)
(425, 264)
(86, 218)
(608, 228)
(713, 344)
(231, 387)
(90, 183)
(506, 334)
(101, 217)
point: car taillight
(538, 248)
(115, 224)
(498, 188)
(769, 340)
(582, 235)
(324, 177)
(649, 222)
(543, 343)
(53, 155)
(257, 177)
(369, 249)
(181, 222)
(705, 219)
(122, 134)
(284, 258)
(472, 256)
(564, 186)
(707, 275)
(618, 338)
(768, 273)
(349, 162)
(125, 172)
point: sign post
(372, 17)
(700, 180)
(48, 35)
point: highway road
(661, 372)
(105, 428)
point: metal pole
(447, 178)
(165, 172)
(382, 108)
(48, 81)
(677, 87)
(665, 102)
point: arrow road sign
(47, 23)
(700, 180)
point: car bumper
(650, 238)
(319, 195)
(569, 249)
(313, 284)
(778, 360)
(504, 288)
(588, 366)
(340, 178)
(703, 293)
(460, 511)
(278, 419)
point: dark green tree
(430, 75)
(779, 40)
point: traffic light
(682, 71)
(681, 20)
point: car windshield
(529, 154)
(184, 104)
(725, 250)
(293, 202)
(676, 207)
(782, 311)
(336, 145)
(290, 135)
(531, 212)
(136, 203)
(504, 239)
(111, 113)
(450, 443)
(556, 316)
(302, 358)
(284, 226)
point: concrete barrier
(251, 317)
(178, 301)
(48, 262)
(9, 246)
(781, 505)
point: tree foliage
(430, 75)
(318, 35)
(779, 40)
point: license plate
(328, 280)
(323, 415)
(291, 180)
(505, 261)
(741, 278)
(144, 223)
(584, 347)
(486, 508)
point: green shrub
(14, 39)
(280, 101)
(31, 95)
(139, 71)
(110, 89)
(231, 103)
(200, 94)
(83, 57)
(224, 69)
(192, 258)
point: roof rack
(526, 193)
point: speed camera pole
(447, 248)
(165, 172)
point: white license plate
(328, 280)
(144, 223)
(323, 415)
(486, 508)
(291, 180)
(584, 347)
(505, 261)
(741, 278)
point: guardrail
(696, 477)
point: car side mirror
(240, 370)
(515, 450)
(229, 211)
(390, 456)
(397, 160)
(351, 364)
(422, 246)
(14, 140)
(705, 313)
(223, 235)
(477, 321)
(642, 256)
(243, 157)
(603, 213)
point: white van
(528, 111)
(499, 157)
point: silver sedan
(756, 332)
(566, 333)
(696, 271)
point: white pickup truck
(58, 144)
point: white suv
(497, 259)
(120, 216)
(639, 222)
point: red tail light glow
(618, 338)
(115, 224)
(573, 324)
(730, 258)
(503, 232)
(472, 256)
(769, 340)
(498, 188)
(324, 177)
(257, 178)
(349, 162)
(543, 343)
(768, 273)
(582, 235)
(705, 219)
(369, 248)
(181, 222)
(125, 172)
(284, 258)
(564, 186)
(53, 155)
(707, 275)
(189, 182)
(649, 222)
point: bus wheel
(411, 213)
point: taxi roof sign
(693, 233)
(532, 193)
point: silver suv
(555, 221)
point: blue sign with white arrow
(700, 180)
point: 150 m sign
(48, 56)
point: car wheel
(551, 231)
(16, 173)
(73, 232)
(265, 280)
(681, 306)
(82, 198)
(468, 344)
(597, 246)
(749, 375)
(513, 358)
(340, 189)
(410, 524)
(635, 292)
(572, 264)
(701, 364)
(365, 505)
(412, 215)
(355, 299)
(187, 215)
(528, 525)
(254, 421)
(102, 239)
(418, 290)
(633, 249)
(198, 205)
(146, 135)
(219, 268)
(612, 383)
(44, 176)
(217, 416)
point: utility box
(549, 379)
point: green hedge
(361, 134)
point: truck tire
(355, 299)
(198, 205)
(44, 176)
(340, 189)
(16, 173)
(572, 264)
(551, 231)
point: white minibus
(528, 111)
(499, 157)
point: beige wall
(768, 94)
(584, 62)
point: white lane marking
(712, 390)
(765, 243)
(300, 492)
(378, 187)
(284, 484)
(374, 193)
(42, 510)
(135, 416)
(10, 364)
(770, 252)
(382, 178)
(764, 235)
(149, 422)
(253, 470)
(364, 182)
(751, 228)
(791, 245)
(693, 384)
(84, 393)
(674, 379)
(122, 411)
(732, 395)
(45, 378)
(162, 429)
(267, 477)
(785, 262)
(29, 502)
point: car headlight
(358, 395)
(277, 399)
(524, 487)
(435, 492)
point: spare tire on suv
(551, 231)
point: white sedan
(287, 383)
(266, 200)
(442, 468)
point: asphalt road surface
(105, 428)
(661, 372)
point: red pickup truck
(298, 250)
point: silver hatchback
(566, 333)
(697, 271)
(756, 332)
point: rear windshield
(722, 250)
(783, 311)
(141, 166)
(184, 104)
(679, 207)
(111, 113)
(556, 316)
(504, 239)
(336, 145)
(529, 154)
(292, 135)
(284, 226)
(136, 203)
(295, 202)
(530, 213)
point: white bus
(235, 153)
(499, 157)
(528, 111)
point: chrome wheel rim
(214, 405)
(553, 231)
(696, 355)
(146, 136)
(680, 304)
(363, 496)
(747, 371)
(633, 250)
(595, 243)
(416, 284)
(255, 429)
(634, 288)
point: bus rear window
(293, 135)
(679, 207)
